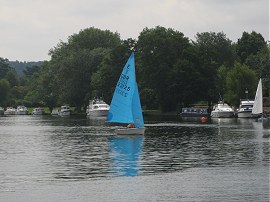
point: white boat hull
(130, 131)
(246, 115)
(221, 114)
(10, 112)
(64, 113)
(22, 112)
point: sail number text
(123, 88)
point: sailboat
(258, 103)
(125, 106)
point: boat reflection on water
(224, 121)
(97, 121)
(125, 154)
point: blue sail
(125, 105)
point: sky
(30, 28)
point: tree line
(172, 71)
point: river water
(78, 159)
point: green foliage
(4, 91)
(158, 51)
(239, 79)
(249, 44)
(4, 68)
(171, 71)
(104, 80)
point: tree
(4, 91)
(215, 50)
(74, 63)
(103, 81)
(158, 51)
(4, 67)
(238, 79)
(249, 44)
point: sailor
(131, 125)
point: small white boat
(10, 111)
(2, 111)
(245, 109)
(222, 110)
(97, 108)
(37, 111)
(21, 110)
(64, 111)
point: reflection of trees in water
(175, 148)
(79, 155)
(91, 152)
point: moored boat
(245, 109)
(97, 108)
(21, 110)
(37, 111)
(194, 112)
(10, 111)
(64, 111)
(222, 110)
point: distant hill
(20, 66)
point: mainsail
(125, 105)
(258, 102)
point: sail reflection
(125, 153)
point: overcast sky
(30, 28)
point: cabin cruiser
(97, 108)
(64, 111)
(245, 109)
(194, 112)
(21, 110)
(222, 110)
(2, 111)
(10, 111)
(37, 111)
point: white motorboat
(97, 108)
(245, 109)
(37, 111)
(2, 111)
(10, 111)
(222, 110)
(21, 110)
(64, 111)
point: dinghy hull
(130, 131)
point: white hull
(98, 113)
(246, 115)
(37, 111)
(64, 113)
(130, 131)
(22, 112)
(220, 114)
(10, 111)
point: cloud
(30, 28)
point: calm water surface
(77, 159)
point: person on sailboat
(131, 125)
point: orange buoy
(203, 119)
